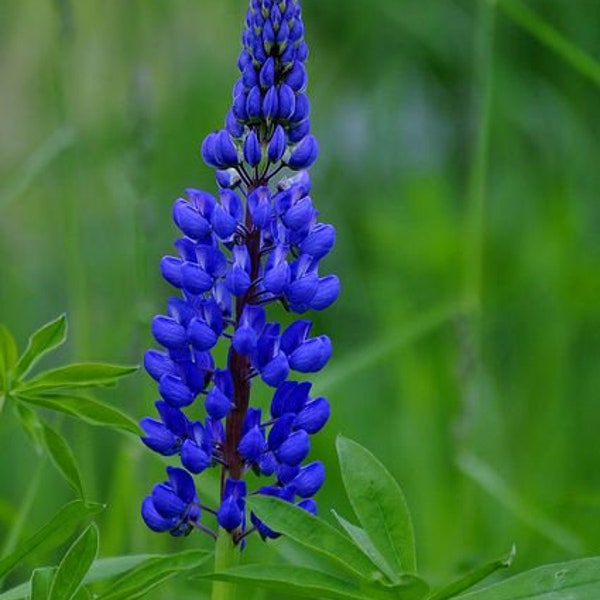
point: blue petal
(295, 449)
(252, 445)
(309, 480)
(157, 364)
(327, 292)
(201, 335)
(189, 220)
(313, 416)
(168, 332)
(229, 515)
(174, 391)
(217, 404)
(195, 279)
(312, 355)
(276, 370)
(193, 458)
(166, 502)
(152, 519)
(183, 484)
(170, 268)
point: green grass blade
(375, 352)
(58, 530)
(379, 505)
(574, 580)
(473, 577)
(489, 480)
(39, 161)
(44, 340)
(524, 17)
(74, 565)
(313, 533)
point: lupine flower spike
(257, 243)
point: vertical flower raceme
(255, 244)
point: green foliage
(379, 505)
(573, 580)
(58, 390)
(58, 530)
(72, 569)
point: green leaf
(573, 580)
(62, 457)
(82, 594)
(78, 375)
(379, 505)
(58, 530)
(87, 409)
(32, 425)
(45, 339)
(102, 568)
(8, 358)
(364, 542)
(40, 582)
(295, 580)
(314, 533)
(74, 565)
(152, 573)
(473, 577)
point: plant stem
(226, 555)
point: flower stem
(226, 555)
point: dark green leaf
(62, 457)
(295, 580)
(8, 358)
(87, 409)
(363, 541)
(77, 375)
(314, 533)
(40, 582)
(82, 594)
(574, 580)
(32, 425)
(58, 530)
(152, 573)
(74, 565)
(379, 505)
(473, 577)
(45, 339)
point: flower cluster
(258, 243)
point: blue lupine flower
(256, 243)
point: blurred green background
(460, 166)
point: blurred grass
(458, 167)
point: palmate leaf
(379, 505)
(32, 425)
(314, 533)
(306, 582)
(152, 573)
(77, 375)
(300, 581)
(62, 457)
(573, 580)
(473, 577)
(101, 569)
(45, 339)
(59, 529)
(75, 564)
(87, 409)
